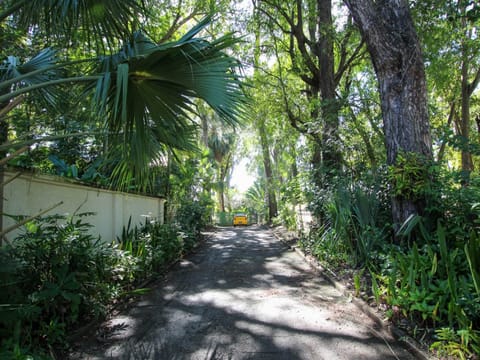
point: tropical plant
(255, 199)
(461, 344)
(146, 92)
(58, 276)
(61, 275)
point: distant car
(240, 219)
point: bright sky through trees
(241, 178)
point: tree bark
(332, 157)
(267, 163)
(392, 42)
(467, 161)
(271, 198)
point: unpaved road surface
(243, 295)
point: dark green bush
(192, 217)
(433, 279)
(57, 276)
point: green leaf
(152, 103)
(472, 250)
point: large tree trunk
(393, 45)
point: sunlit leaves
(99, 21)
(148, 92)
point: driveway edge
(396, 333)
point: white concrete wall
(31, 193)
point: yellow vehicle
(240, 219)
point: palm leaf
(148, 93)
(256, 193)
(40, 69)
(96, 19)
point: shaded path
(244, 295)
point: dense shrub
(57, 276)
(431, 282)
(192, 217)
(353, 221)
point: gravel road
(243, 295)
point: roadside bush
(191, 218)
(353, 223)
(57, 276)
(430, 284)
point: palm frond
(148, 92)
(97, 19)
(256, 193)
(40, 69)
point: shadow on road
(243, 295)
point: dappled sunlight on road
(244, 295)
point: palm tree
(256, 197)
(221, 149)
(146, 92)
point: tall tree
(453, 58)
(392, 42)
(259, 120)
(221, 148)
(305, 31)
(470, 71)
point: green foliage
(461, 344)
(144, 96)
(62, 168)
(431, 280)
(193, 216)
(57, 276)
(287, 216)
(419, 283)
(255, 199)
(432, 285)
(410, 177)
(147, 251)
(291, 197)
(133, 80)
(59, 279)
(326, 245)
(351, 222)
(472, 250)
(357, 282)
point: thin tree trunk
(395, 51)
(262, 132)
(267, 163)
(204, 120)
(467, 161)
(451, 115)
(221, 196)
(366, 140)
(329, 109)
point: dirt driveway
(243, 295)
